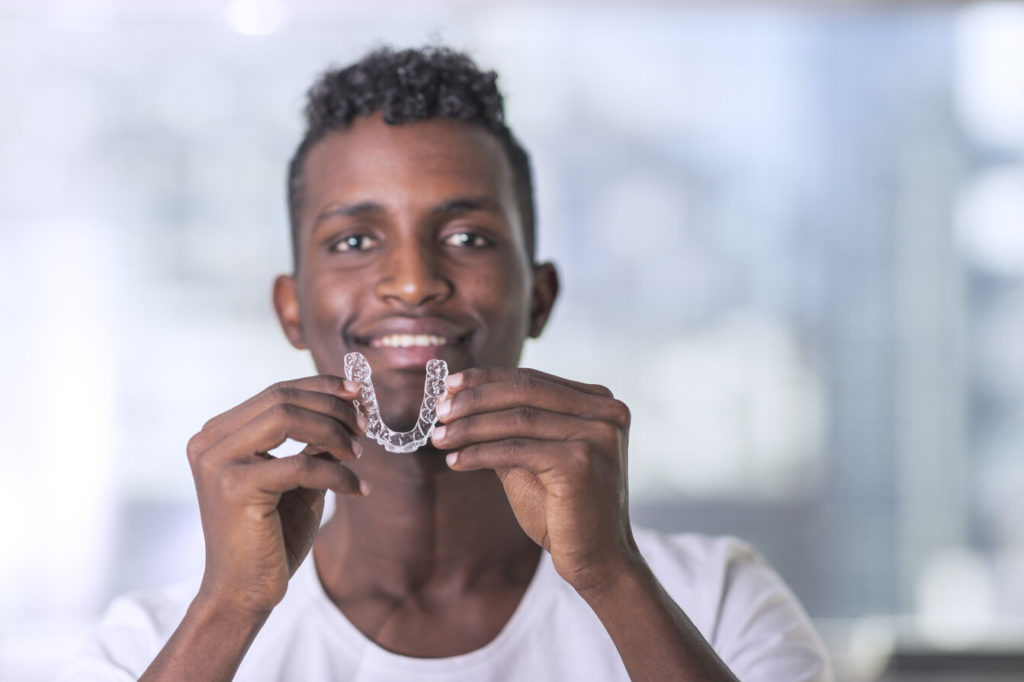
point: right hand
(260, 513)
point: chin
(400, 420)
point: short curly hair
(407, 86)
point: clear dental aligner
(358, 369)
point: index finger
(322, 393)
(501, 389)
(483, 375)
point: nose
(411, 277)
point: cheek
(327, 302)
(503, 293)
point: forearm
(654, 637)
(209, 644)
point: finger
(536, 389)
(325, 394)
(536, 456)
(303, 471)
(485, 375)
(282, 391)
(520, 422)
(280, 421)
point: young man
(413, 232)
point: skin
(414, 229)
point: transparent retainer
(358, 369)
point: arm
(559, 448)
(260, 515)
(654, 637)
(209, 644)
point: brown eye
(470, 240)
(354, 242)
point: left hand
(559, 448)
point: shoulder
(130, 633)
(739, 603)
(722, 565)
(694, 555)
(703, 570)
(136, 626)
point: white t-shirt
(734, 598)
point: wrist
(626, 572)
(208, 610)
(246, 598)
(209, 643)
(654, 637)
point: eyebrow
(358, 210)
(468, 204)
(364, 209)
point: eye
(471, 240)
(354, 242)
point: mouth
(410, 341)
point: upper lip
(428, 326)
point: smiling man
(503, 549)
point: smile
(409, 341)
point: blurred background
(791, 238)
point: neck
(423, 529)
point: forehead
(406, 167)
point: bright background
(791, 239)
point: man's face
(411, 248)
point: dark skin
(410, 248)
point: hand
(559, 448)
(260, 513)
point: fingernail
(364, 488)
(362, 422)
(439, 432)
(351, 385)
(451, 458)
(444, 408)
(453, 380)
(357, 449)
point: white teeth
(407, 340)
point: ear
(545, 291)
(286, 303)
